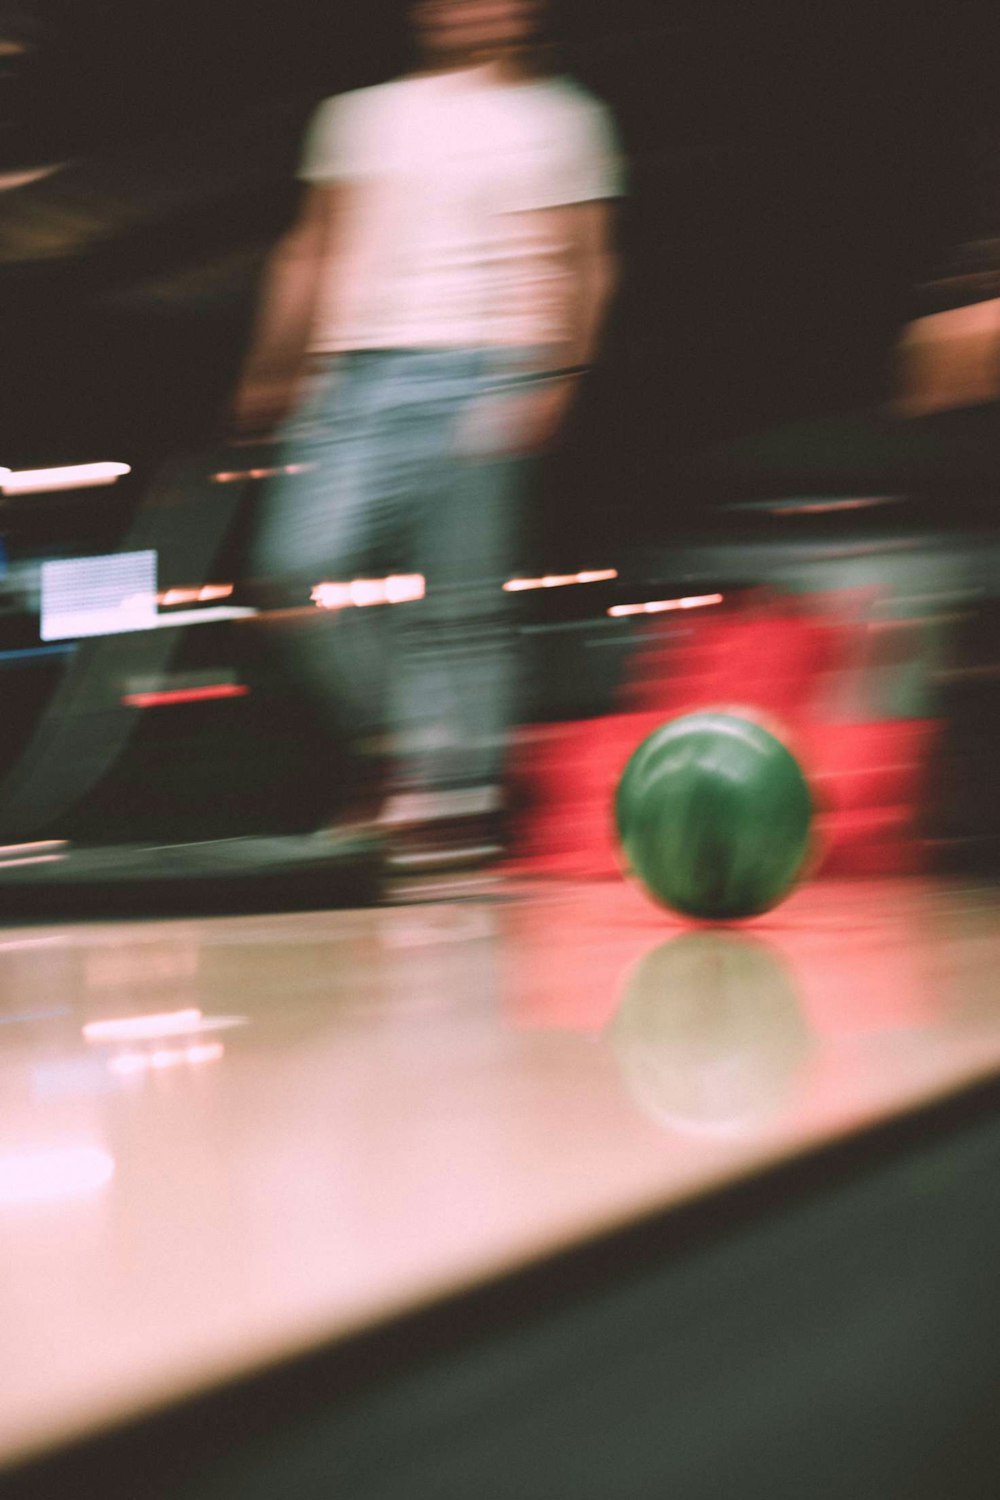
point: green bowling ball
(713, 815)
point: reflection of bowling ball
(709, 1034)
(713, 815)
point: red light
(186, 695)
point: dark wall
(793, 176)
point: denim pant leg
(330, 521)
(386, 490)
(453, 680)
(452, 691)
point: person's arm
(286, 310)
(593, 277)
(591, 270)
(949, 360)
(592, 274)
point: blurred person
(429, 319)
(950, 360)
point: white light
(34, 859)
(200, 616)
(70, 477)
(331, 595)
(107, 595)
(560, 580)
(143, 1028)
(203, 1052)
(117, 595)
(404, 588)
(45, 846)
(129, 1062)
(197, 1055)
(664, 606)
(44, 1176)
(19, 943)
(204, 595)
(363, 593)
(42, 853)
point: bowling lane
(227, 1141)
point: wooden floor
(225, 1141)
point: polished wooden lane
(230, 1140)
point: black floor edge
(149, 1456)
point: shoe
(444, 846)
(421, 809)
(440, 832)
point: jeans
(386, 490)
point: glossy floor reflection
(226, 1140)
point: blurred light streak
(204, 595)
(362, 593)
(665, 606)
(34, 859)
(132, 1063)
(827, 507)
(144, 1028)
(42, 847)
(16, 945)
(70, 477)
(180, 618)
(202, 616)
(11, 180)
(174, 696)
(560, 580)
(234, 476)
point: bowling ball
(713, 815)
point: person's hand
(518, 423)
(544, 413)
(260, 405)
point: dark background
(797, 172)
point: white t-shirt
(451, 245)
